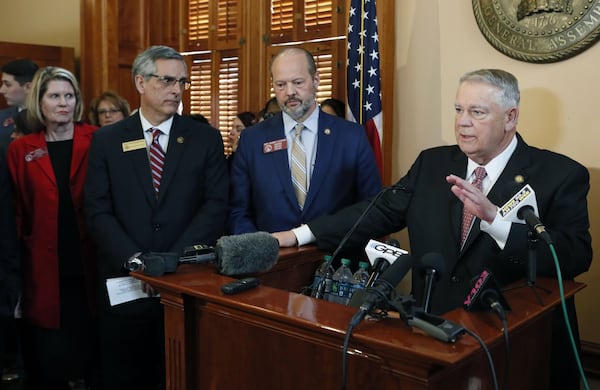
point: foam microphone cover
(246, 253)
(433, 260)
(159, 263)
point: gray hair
(506, 82)
(145, 63)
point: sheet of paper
(124, 289)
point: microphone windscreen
(246, 253)
(394, 274)
(433, 260)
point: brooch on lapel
(36, 154)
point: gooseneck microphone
(383, 288)
(394, 188)
(433, 266)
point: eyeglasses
(169, 81)
(111, 111)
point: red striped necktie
(468, 218)
(157, 159)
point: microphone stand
(532, 240)
(321, 286)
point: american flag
(364, 89)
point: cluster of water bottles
(339, 285)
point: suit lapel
(458, 167)
(173, 155)
(514, 175)
(325, 144)
(138, 158)
(280, 161)
(37, 151)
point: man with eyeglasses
(157, 182)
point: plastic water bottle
(360, 277)
(319, 275)
(342, 283)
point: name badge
(274, 146)
(133, 145)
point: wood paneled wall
(113, 32)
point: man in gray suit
(134, 209)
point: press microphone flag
(484, 293)
(376, 249)
(522, 208)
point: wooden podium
(272, 338)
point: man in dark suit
(337, 164)
(438, 188)
(16, 81)
(133, 208)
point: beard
(298, 112)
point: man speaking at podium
(490, 162)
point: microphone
(383, 288)
(395, 188)
(246, 253)
(433, 266)
(381, 257)
(486, 295)
(522, 208)
(234, 255)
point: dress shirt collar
(311, 123)
(165, 126)
(494, 168)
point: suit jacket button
(455, 279)
(156, 227)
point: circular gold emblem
(539, 31)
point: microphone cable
(498, 309)
(487, 354)
(566, 317)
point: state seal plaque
(539, 31)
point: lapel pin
(519, 179)
(327, 131)
(179, 140)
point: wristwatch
(134, 263)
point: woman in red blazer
(48, 169)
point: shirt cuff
(304, 235)
(498, 230)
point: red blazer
(36, 195)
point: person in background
(48, 168)
(334, 107)
(157, 182)
(442, 185)
(10, 277)
(21, 127)
(273, 187)
(271, 108)
(16, 84)
(108, 108)
(240, 122)
(200, 118)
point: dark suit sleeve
(9, 260)
(563, 210)
(106, 229)
(209, 217)
(241, 216)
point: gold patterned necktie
(298, 166)
(467, 218)
(157, 160)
